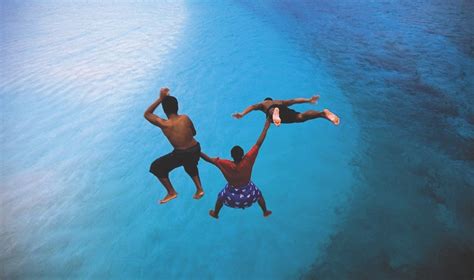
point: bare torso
(180, 132)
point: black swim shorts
(187, 158)
(287, 115)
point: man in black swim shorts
(279, 112)
(179, 130)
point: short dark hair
(237, 153)
(170, 105)
(268, 98)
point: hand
(314, 99)
(164, 91)
(238, 115)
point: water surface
(77, 198)
(386, 195)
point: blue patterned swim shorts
(241, 197)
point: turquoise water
(387, 194)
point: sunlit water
(77, 199)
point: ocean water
(406, 68)
(386, 195)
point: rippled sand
(77, 199)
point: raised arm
(263, 134)
(247, 110)
(207, 158)
(311, 100)
(149, 113)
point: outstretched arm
(150, 116)
(207, 158)
(290, 102)
(247, 110)
(263, 134)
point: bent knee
(300, 118)
(192, 170)
(159, 169)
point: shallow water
(379, 190)
(77, 197)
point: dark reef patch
(405, 67)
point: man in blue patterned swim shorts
(240, 191)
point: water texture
(386, 195)
(407, 69)
(77, 198)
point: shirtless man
(278, 111)
(179, 130)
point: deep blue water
(407, 68)
(386, 195)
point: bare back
(265, 105)
(180, 132)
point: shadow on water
(405, 68)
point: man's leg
(169, 187)
(199, 191)
(312, 114)
(215, 213)
(261, 203)
(193, 172)
(190, 166)
(161, 168)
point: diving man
(279, 112)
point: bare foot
(168, 197)
(198, 194)
(331, 116)
(267, 213)
(213, 214)
(276, 116)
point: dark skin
(301, 117)
(261, 201)
(180, 132)
(179, 129)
